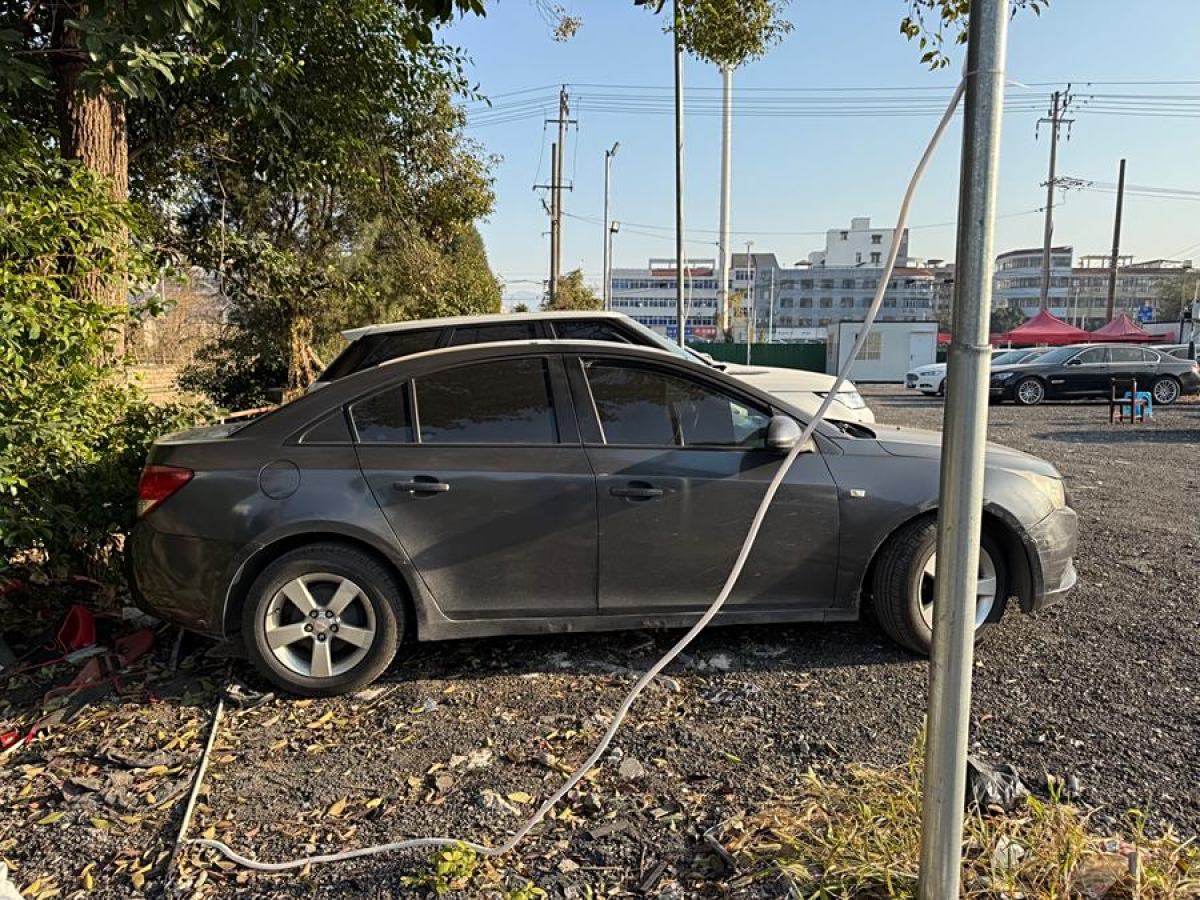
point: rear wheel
(323, 620)
(1030, 392)
(1165, 390)
(904, 580)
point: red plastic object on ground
(78, 629)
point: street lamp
(613, 227)
(607, 293)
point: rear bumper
(1051, 548)
(178, 578)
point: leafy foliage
(1177, 295)
(930, 21)
(1006, 318)
(73, 433)
(730, 33)
(572, 293)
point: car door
(1085, 374)
(681, 465)
(1132, 363)
(481, 474)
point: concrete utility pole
(607, 292)
(724, 321)
(1112, 272)
(1059, 103)
(680, 254)
(964, 443)
(557, 152)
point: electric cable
(701, 623)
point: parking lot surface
(464, 739)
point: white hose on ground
(701, 623)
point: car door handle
(636, 492)
(421, 485)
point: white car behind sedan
(930, 380)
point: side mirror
(1075, 362)
(784, 433)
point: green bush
(73, 432)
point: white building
(891, 349)
(1017, 281)
(648, 295)
(859, 245)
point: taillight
(157, 484)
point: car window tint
(647, 407)
(486, 334)
(373, 349)
(1126, 355)
(1094, 355)
(330, 430)
(384, 418)
(590, 330)
(502, 402)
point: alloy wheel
(1166, 391)
(985, 588)
(320, 625)
(1031, 392)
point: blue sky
(806, 173)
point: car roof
(353, 334)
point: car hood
(931, 369)
(775, 378)
(917, 442)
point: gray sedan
(531, 487)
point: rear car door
(1132, 363)
(481, 474)
(681, 465)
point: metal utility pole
(724, 324)
(552, 288)
(680, 254)
(607, 292)
(1112, 272)
(964, 442)
(1059, 103)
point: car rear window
(500, 402)
(373, 349)
(590, 330)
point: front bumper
(1051, 547)
(179, 579)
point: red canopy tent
(1123, 329)
(1043, 328)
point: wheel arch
(1002, 527)
(263, 556)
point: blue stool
(1141, 409)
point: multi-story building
(1138, 289)
(858, 245)
(648, 295)
(1017, 281)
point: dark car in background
(1089, 370)
(534, 487)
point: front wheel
(1165, 390)
(323, 620)
(904, 582)
(1030, 392)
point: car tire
(1029, 392)
(929, 393)
(1165, 390)
(941, 391)
(304, 645)
(902, 586)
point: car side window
(487, 334)
(384, 418)
(506, 401)
(373, 349)
(1092, 356)
(646, 407)
(1126, 355)
(589, 330)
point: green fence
(810, 357)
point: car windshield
(1058, 356)
(1008, 357)
(657, 340)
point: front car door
(1085, 374)
(481, 475)
(681, 465)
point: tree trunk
(92, 130)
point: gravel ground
(464, 739)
